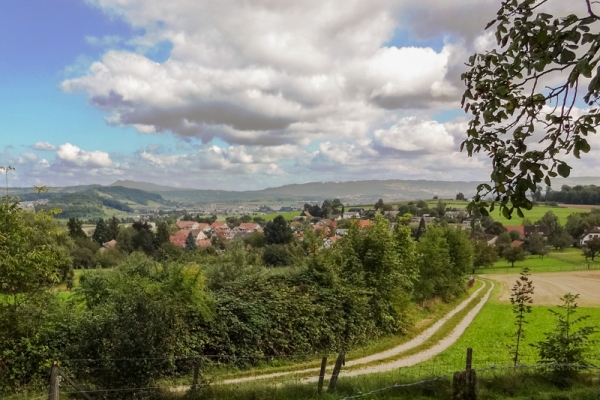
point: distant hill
(146, 186)
(89, 204)
(137, 194)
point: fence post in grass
(54, 382)
(196, 373)
(336, 372)
(464, 382)
(322, 373)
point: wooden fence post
(54, 382)
(336, 372)
(465, 382)
(196, 374)
(322, 374)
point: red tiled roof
(204, 243)
(251, 226)
(219, 225)
(186, 224)
(517, 243)
(363, 223)
(520, 229)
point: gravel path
(425, 354)
(403, 362)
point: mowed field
(549, 287)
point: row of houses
(202, 232)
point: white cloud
(413, 135)
(82, 158)
(30, 156)
(44, 146)
(258, 74)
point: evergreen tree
(421, 230)
(278, 231)
(190, 243)
(113, 228)
(101, 234)
(75, 228)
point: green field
(537, 264)
(535, 214)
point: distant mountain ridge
(365, 191)
(145, 186)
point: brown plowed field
(550, 286)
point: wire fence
(198, 373)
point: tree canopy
(524, 98)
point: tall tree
(536, 245)
(484, 255)
(379, 205)
(541, 61)
(441, 208)
(421, 229)
(592, 248)
(113, 228)
(512, 254)
(278, 231)
(162, 233)
(74, 225)
(101, 234)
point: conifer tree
(190, 243)
(101, 234)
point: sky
(238, 94)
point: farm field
(549, 287)
(570, 260)
(535, 214)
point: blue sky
(235, 94)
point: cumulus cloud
(413, 135)
(44, 146)
(82, 158)
(255, 74)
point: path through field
(417, 358)
(550, 286)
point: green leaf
(520, 213)
(563, 170)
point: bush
(278, 255)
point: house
(320, 229)
(589, 235)
(341, 232)
(393, 214)
(250, 227)
(110, 244)
(221, 228)
(328, 241)
(306, 214)
(349, 215)
(187, 225)
(526, 231)
(182, 235)
(517, 243)
(356, 210)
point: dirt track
(550, 286)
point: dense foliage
(522, 96)
(158, 304)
